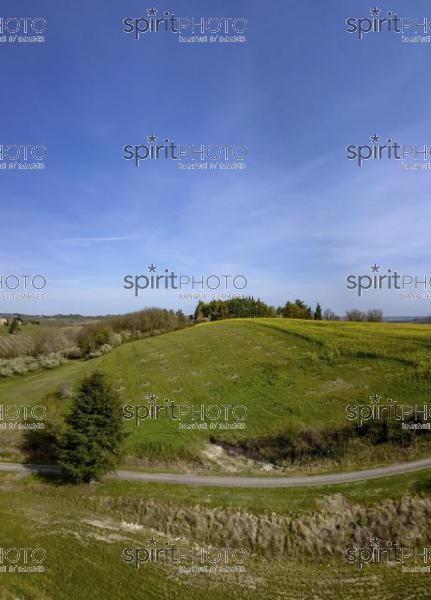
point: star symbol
(375, 399)
(375, 12)
(151, 398)
(152, 12)
(151, 541)
(375, 541)
(375, 268)
(151, 268)
(151, 138)
(375, 138)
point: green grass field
(84, 530)
(288, 373)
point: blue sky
(300, 217)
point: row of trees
(110, 331)
(234, 308)
(374, 316)
(249, 307)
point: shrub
(105, 348)
(52, 360)
(65, 391)
(74, 353)
(308, 444)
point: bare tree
(375, 315)
(329, 315)
(356, 315)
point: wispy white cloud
(92, 240)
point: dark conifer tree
(90, 444)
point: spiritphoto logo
(208, 559)
(202, 29)
(410, 29)
(22, 287)
(413, 157)
(22, 30)
(22, 417)
(18, 157)
(200, 157)
(169, 280)
(188, 416)
(22, 560)
(417, 415)
(390, 553)
(409, 286)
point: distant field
(20, 343)
(23, 330)
(62, 320)
(288, 373)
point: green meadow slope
(288, 373)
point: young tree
(14, 326)
(90, 444)
(318, 313)
(329, 315)
(93, 337)
(199, 315)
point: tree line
(249, 307)
(110, 331)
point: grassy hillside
(288, 373)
